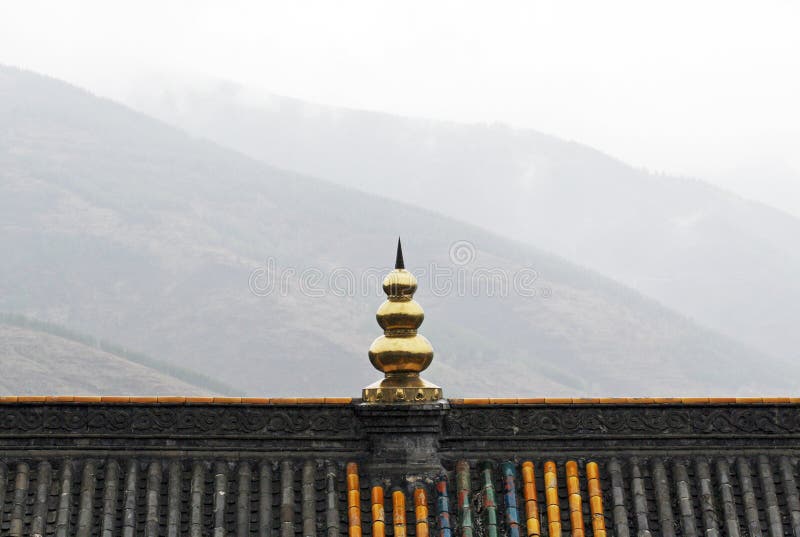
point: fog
(636, 163)
(697, 89)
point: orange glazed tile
(283, 400)
(558, 400)
(694, 400)
(9, 399)
(227, 400)
(458, 401)
(666, 400)
(115, 399)
(503, 401)
(794, 399)
(749, 400)
(338, 400)
(571, 468)
(641, 400)
(574, 501)
(776, 399)
(31, 399)
(721, 400)
(376, 495)
(531, 401)
(59, 398)
(310, 400)
(144, 400)
(256, 400)
(592, 470)
(171, 399)
(199, 399)
(87, 399)
(353, 498)
(573, 486)
(554, 512)
(476, 401)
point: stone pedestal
(403, 439)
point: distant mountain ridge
(118, 225)
(728, 263)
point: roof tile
(31, 399)
(144, 399)
(694, 400)
(777, 400)
(170, 399)
(87, 399)
(338, 400)
(199, 400)
(228, 400)
(115, 399)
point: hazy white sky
(707, 88)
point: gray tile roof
(281, 470)
(753, 495)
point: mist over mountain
(118, 225)
(728, 263)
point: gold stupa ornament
(400, 353)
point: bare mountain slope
(726, 262)
(38, 363)
(116, 224)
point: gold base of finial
(401, 389)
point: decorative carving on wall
(219, 420)
(460, 423)
(602, 421)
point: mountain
(37, 361)
(726, 262)
(117, 224)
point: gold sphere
(401, 354)
(400, 317)
(400, 284)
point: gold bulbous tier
(400, 353)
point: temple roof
(119, 494)
(480, 468)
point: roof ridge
(171, 399)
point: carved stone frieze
(179, 420)
(618, 420)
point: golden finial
(400, 353)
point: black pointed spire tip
(398, 263)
